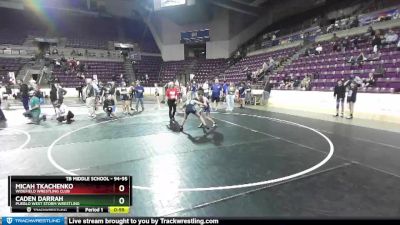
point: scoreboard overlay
(86, 194)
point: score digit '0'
(121, 200)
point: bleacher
(203, 69)
(330, 66)
(149, 65)
(208, 69)
(172, 69)
(104, 71)
(10, 65)
(236, 72)
(95, 33)
(15, 31)
(80, 31)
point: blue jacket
(139, 90)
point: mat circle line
(28, 138)
(216, 188)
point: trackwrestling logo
(33, 220)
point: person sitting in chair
(370, 81)
(359, 60)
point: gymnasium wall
(173, 52)
(218, 47)
(370, 106)
(382, 107)
(271, 15)
(168, 34)
(73, 93)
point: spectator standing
(96, 92)
(182, 92)
(339, 93)
(206, 89)
(60, 93)
(157, 95)
(80, 89)
(8, 95)
(351, 98)
(53, 96)
(103, 92)
(216, 93)
(193, 90)
(225, 87)
(24, 90)
(113, 92)
(125, 99)
(242, 94)
(139, 90)
(266, 93)
(248, 96)
(230, 97)
(2, 117)
(132, 94)
(90, 98)
(188, 92)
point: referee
(171, 97)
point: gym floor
(254, 164)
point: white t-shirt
(183, 90)
(96, 88)
(375, 49)
(205, 87)
(62, 111)
(264, 66)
